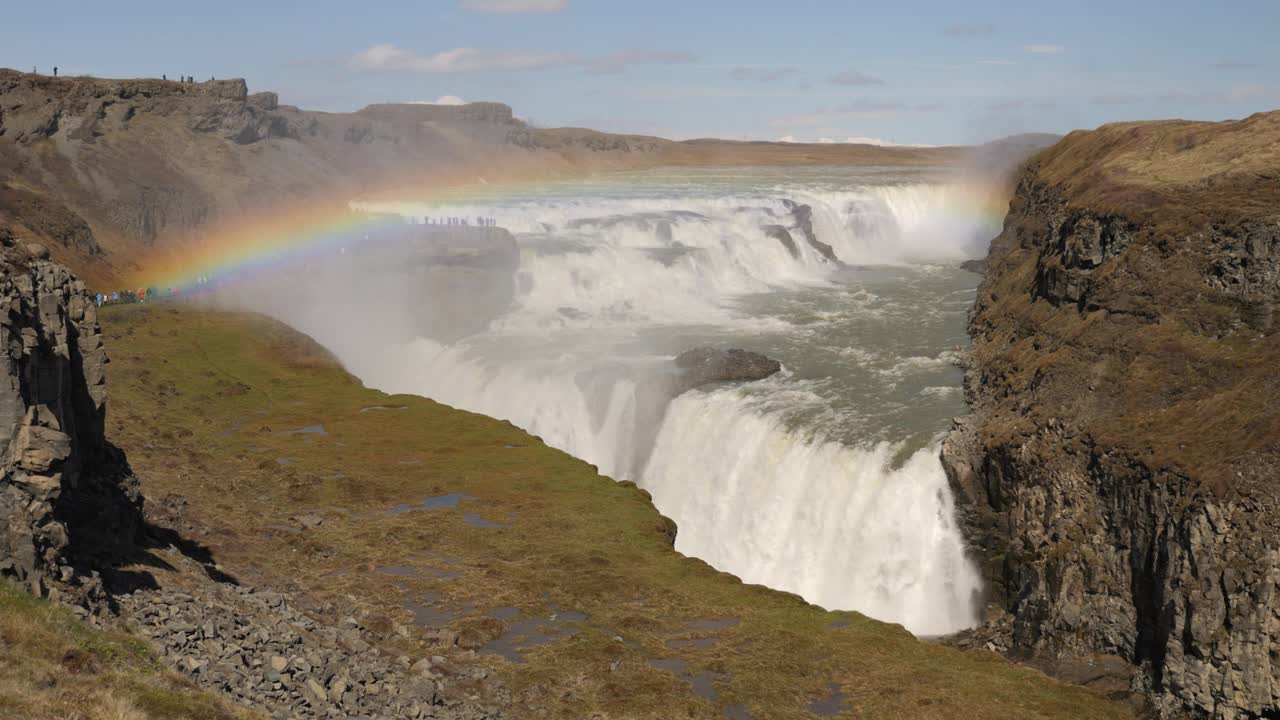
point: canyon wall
(1119, 470)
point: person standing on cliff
(55, 71)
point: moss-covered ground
(563, 581)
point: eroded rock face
(1101, 537)
(64, 493)
(705, 365)
(803, 216)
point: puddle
(340, 572)
(399, 570)
(832, 705)
(339, 475)
(446, 501)
(478, 521)
(442, 574)
(710, 624)
(703, 683)
(308, 430)
(524, 634)
(431, 616)
(410, 462)
(699, 643)
(839, 624)
(372, 408)
(736, 712)
(505, 613)
(285, 461)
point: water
(822, 480)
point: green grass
(55, 666)
(199, 400)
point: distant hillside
(103, 170)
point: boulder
(705, 365)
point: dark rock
(704, 365)
(67, 502)
(803, 216)
(779, 233)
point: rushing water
(822, 480)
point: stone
(38, 251)
(705, 365)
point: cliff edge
(1119, 470)
(67, 499)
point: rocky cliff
(66, 497)
(1119, 471)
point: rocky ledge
(1118, 473)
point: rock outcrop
(706, 365)
(802, 215)
(1119, 469)
(65, 495)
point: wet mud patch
(308, 430)
(520, 635)
(703, 682)
(831, 705)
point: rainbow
(259, 244)
(271, 241)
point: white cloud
(861, 140)
(388, 57)
(855, 78)
(442, 100)
(789, 139)
(826, 141)
(522, 7)
(1043, 49)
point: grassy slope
(200, 400)
(54, 666)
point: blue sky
(907, 72)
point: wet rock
(780, 233)
(704, 365)
(803, 216)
